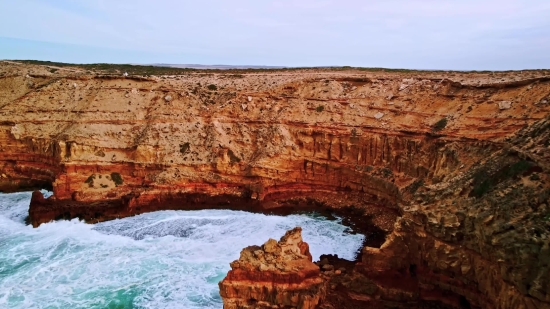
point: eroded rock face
(459, 184)
(275, 275)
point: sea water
(163, 259)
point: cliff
(438, 162)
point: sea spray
(164, 259)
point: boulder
(504, 105)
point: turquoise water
(164, 259)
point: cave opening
(23, 185)
(412, 270)
(464, 303)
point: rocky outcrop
(275, 275)
(456, 179)
(479, 240)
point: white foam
(165, 259)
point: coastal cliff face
(452, 167)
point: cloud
(445, 34)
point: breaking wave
(164, 259)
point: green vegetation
(232, 157)
(517, 168)
(212, 87)
(320, 108)
(160, 70)
(184, 148)
(110, 68)
(386, 172)
(416, 185)
(117, 178)
(90, 179)
(484, 182)
(440, 125)
(482, 188)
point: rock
(277, 274)
(271, 246)
(249, 99)
(168, 98)
(244, 107)
(285, 155)
(327, 267)
(379, 115)
(504, 105)
(337, 272)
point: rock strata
(452, 180)
(276, 275)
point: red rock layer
(408, 152)
(276, 275)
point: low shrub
(184, 148)
(232, 157)
(483, 182)
(440, 125)
(117, 178)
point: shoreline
(354, 218)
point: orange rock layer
(453, 167)
(276, 275)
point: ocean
(163, 259)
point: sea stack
(276, 275)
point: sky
(413, 34)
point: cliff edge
(447, 173)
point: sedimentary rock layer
(441, 162)
(275, 275)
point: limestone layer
(453, 167)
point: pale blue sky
(417, 34)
